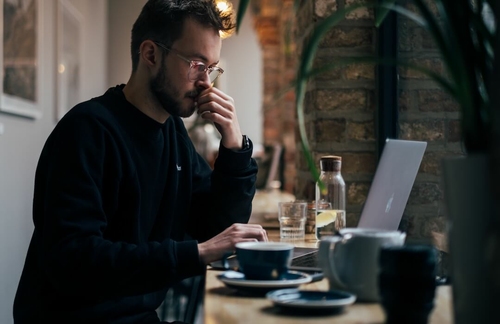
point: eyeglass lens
(198, 71)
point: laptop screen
(392, 184)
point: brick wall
(426, 113)
(341, 106)
(275, 24)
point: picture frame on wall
(69, 57)
(20, 49)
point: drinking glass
(292, 218)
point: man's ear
(149, 52)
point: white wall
(121, 16)
(240, 59)
(22, 141)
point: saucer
(292, 279)
(311, 299)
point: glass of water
(292, 218)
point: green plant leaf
(468, 69)
(242, 8)
(404, 12)
(383, 11)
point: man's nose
(203, 82)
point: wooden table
(225, 305)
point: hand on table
(216, 247)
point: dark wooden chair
(183, 301)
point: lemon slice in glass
(325, 218)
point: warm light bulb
(222, 5)
(61, 68)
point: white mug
(350, 261)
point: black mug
(262, 260)
(407, 282)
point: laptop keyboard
(309, 260)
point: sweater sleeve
(76, 196)
(226, 196)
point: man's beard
(159, 86)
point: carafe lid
(330, 163)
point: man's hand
(218, 107)
(215, 248)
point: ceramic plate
(310, 299)
(237, 280)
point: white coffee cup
(350, 260)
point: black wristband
(245, 145)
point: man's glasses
(197, 70)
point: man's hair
(163, 21)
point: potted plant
(467, 43)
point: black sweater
(116, 197)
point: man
(119, 188)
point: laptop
(387, 197)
